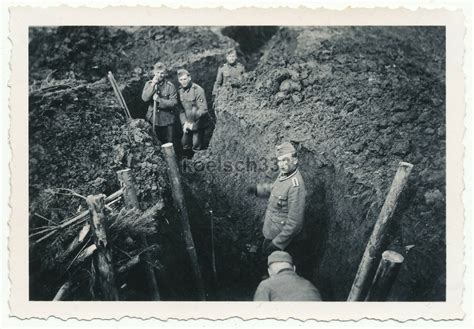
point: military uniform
(286, 285)
(166, 104)
(284, 216)
(194, 108)
(229, 74)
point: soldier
(229, 73)
(284, 284)
(194, 109)
(284, 216)
(162, 98)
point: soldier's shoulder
(197, 87)
(169, 83)
(240, 65)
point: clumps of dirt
(355, 101)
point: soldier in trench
(193, 111)
(163, 93)
(284, 284)
(284, 217)
(230, 73)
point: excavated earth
(355, 101)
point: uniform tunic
(286, 285)
(284, 216)
(166, 102)
(228, 74)
(194, 105)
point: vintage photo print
(209, 163)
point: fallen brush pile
(67, 163)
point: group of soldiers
(283, 244)
(163, 101)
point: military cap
(285, 148)
(280, 256)
(182, 72)
(231, 51)
(159, 66)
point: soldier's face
(159, 75)
(231, 58)
(287, 163)
(184, 80)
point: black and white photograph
(237, 163)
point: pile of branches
(66, 246)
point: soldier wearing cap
(284, 284)
(230, 73)
(163, 93)
(193, 112)
(284, 216)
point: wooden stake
(103, 256)
(62, 292)
(373, 249)
(387, 271)
(131, 201)
(178, 197)
(119, 95)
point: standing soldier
(284, 216)
(162, 98)
(194, 109)
(229, 73)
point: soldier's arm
(218, 82)
(201, 103)
(264, 189)
(262, 294)
(147, 92)
(171, 101)
(294, 222)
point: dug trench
(354, 102)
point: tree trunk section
(387, 272)
(131, 201)
(178, 197)
(374, 246)
(103, 256)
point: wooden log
(128, 265)
(178, 197)
(63, 291)
(131, 201)
(103, 256)
(374, 247)
(387, 271)
(77, 240)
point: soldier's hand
(154, 80)
(252, 189)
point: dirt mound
(355, 101)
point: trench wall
(355, 102)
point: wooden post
(103, 256)
(374, 246)
(131, 201)
(63, 291)
(178, 197)
(387, 271)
